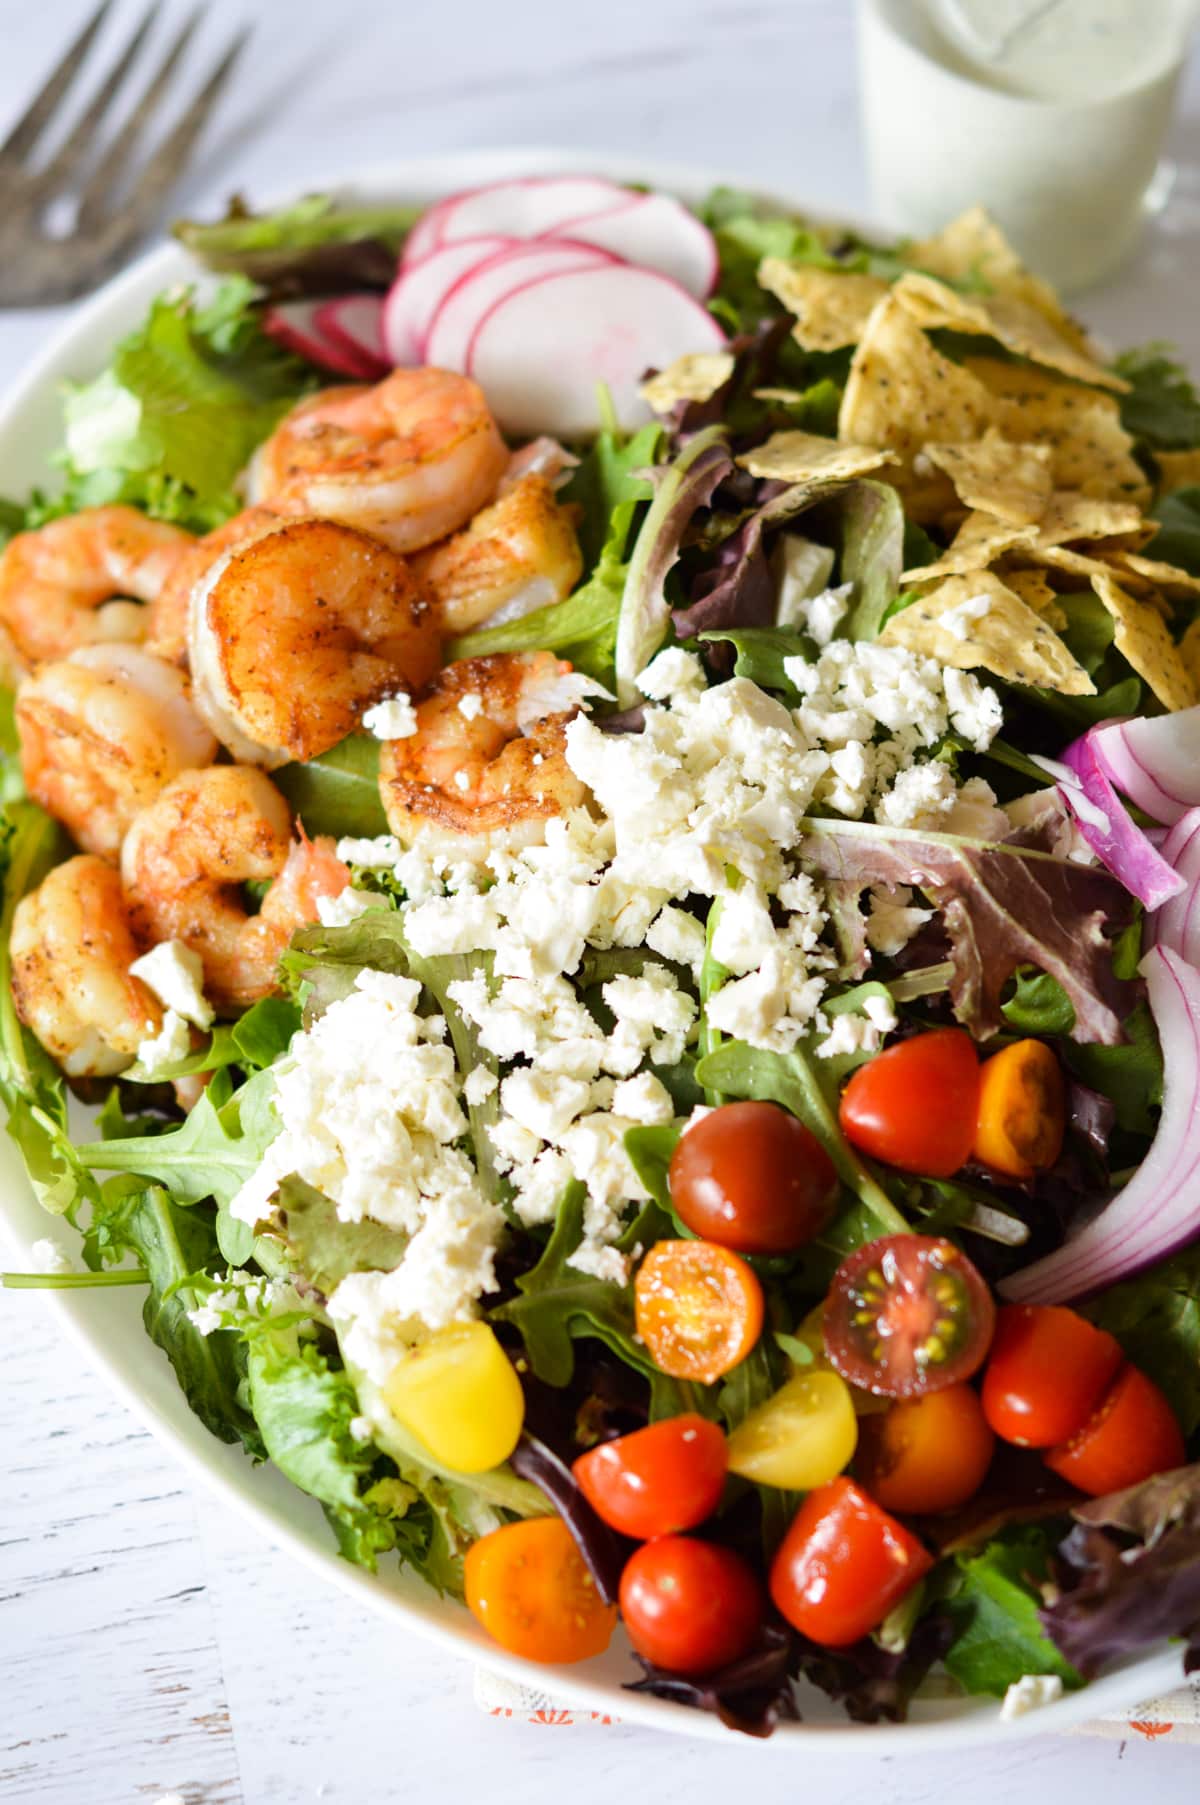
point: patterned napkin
(1175, 1714)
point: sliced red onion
(1105, 824)
(1155, 762)
(1177, 923)
(1158, 1211)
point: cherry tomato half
(1130, 1437)
(915, 1105)
(690, 1606)
(907, 1314)
(528, 1587)
(751, 1177)
(843, 1564)
(1046, 1373)
(699, 1308)
(657, 1480)
(927, 1454)
(1022, 1110)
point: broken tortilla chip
(1090, 449)
(1167, 577)
(1069, 514)
(1037, 594)
(1189, 651)
(974, 247)
(998, 477)
(831, 306)
(1018, 326)
(977, 622)
(979, 541)
(1176, 470)
(1141, 636)
(794, 457)
(696, 377)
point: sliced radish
(544, 347)
(420, 289)
(658, 233)
(356, 323)
(294, 324)
(530, 207)
(426, 235)
(448, 343)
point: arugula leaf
(557, 1304)
(995, 1611)
(325, 1248)
(650, 1150)
(311, 247)
(338, 792)
(1162, 409)
(1156, 1318)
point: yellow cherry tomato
(800, 1438)
(458, 1394)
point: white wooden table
(147, 1644)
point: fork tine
(41, 109)
(165, 166)
(59, 170)
(107, 172)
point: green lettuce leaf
(995, 1611)
(323, 1247)
(871, 553)
(1162, 409)
(311, 247)
(338, 792)
(1156, 1318)
(1178, 538)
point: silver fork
(35, 264)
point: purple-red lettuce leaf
(874, 1684)
(603, 1551)
(752, 1694)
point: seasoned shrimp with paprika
(167, 614)
(186, 858)
(518, 554)
(486, 768)
(409, 459)
(296, 634)
(101, 732)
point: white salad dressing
(1059, 50)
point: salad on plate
(601, 841)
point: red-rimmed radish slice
(421, 287)
(356, 323)
(543, 348)
(448, 342)
(426, 235)
(656, 232)
(294, 324)
(529, 207)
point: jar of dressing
(1052, 113)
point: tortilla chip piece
(831, 306)
(1189, 651)
(1037, 594)
(794, 457)
(1072, 515)
(696, 377)
(1167, 577)
(1091, 451)
(977, 622)
(1141, 636)
(979, 541)
(973, 245)
(1176, 470)
(998, 477)
(1018, 326)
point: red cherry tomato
(916, 1105)
(1130, 1437)
(689, 1605)
(657, 1480)
(751, 1177)
(907, 1314)
(1046, 1373)
(925, 1454)
(843, 1564)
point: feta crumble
(47, 1256)
(394, 718)
(1030, 1693)
(176, 976)
(173, 1042)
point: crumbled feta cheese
(544, 1102)
(173, 1042)
(360, 1428)
(853, 1032)
(470, 706)
(823, 614)
(801, 570)
(975, 814)
(769, 1007)
(653, 1016)
(919, 796)
(744, 934)
(673, 673)
(892, 920)
(975, 710)
(447, 1266)
(340, 910)
(176, 976)
(395, 718)
(48, 1256)
(1030, 1693)
(478, 1085)
(643, 1099)
(678, 936)
(959, 620)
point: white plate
(108, 1324)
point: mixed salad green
(797, 1142)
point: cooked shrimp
(101, 732)
(519, 554)
(295, 635)
(58, 582)
(409, 459)
(486, 768)
(186, 857)
(167, 616)
(71, 947)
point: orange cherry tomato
(1130, 1437)
(1046, 1373)
(843, 1564)
(690, 1606)
(699, 1308)
(658, 1480)
(751, 1177)
(915, 1105)
(1022, 1110)
(907, 1314)
(528, 1587)
(927, 1454)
